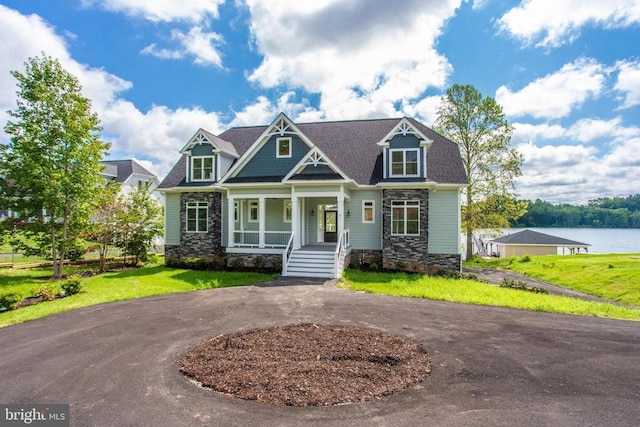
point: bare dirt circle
(307, 364)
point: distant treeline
(616, 212)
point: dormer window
(202, 168)
(405, 162)
(283, 147)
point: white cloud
(154, 136)
(555, 95)
(628, 78)
(161, 10)
(426, 110)
(360, 70)
(263, 111)
(552, 23)
(197, 42)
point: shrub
(525, 258)
(258, 262)
(74, 252)
(237, 263)
(47, 292)
(277, 265)
(72, 285)
(400, 266)
(374, 266)
(10, 300)
(208, 284)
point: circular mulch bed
(307, 365)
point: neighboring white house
(132, 175)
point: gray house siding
(172, 219)
(444, 222)
(225, 164)
(265, 163)
(364, 235)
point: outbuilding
(533, 243)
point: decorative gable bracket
(404, 128)
(314, 158)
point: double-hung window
(405, 162)
(253, 211)
(202, 168)
(197, 214)
(405, 217)
(368, 211)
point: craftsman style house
(313, 196)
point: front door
(330, 226)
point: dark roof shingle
(530, 237)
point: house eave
(209, 188)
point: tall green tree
(479, 127)
(51, 164)
(103, 227)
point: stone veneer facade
(411, 253)
(199, 245)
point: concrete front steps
(310, 263)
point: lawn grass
(611, 276)
(472, 292)
(115, 286)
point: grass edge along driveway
(116, 286)
(473, 292)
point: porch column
(262, 220)
(295, 222)
(340, 215)
(231, 221)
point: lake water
(602, 240)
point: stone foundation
(271, 261)
(359, 257)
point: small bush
(47, 292)
(72, 285)
(374, 266)
(525, 258)
(277, 265)
(237, 263)
(258, 262)
(400, 266)
(74, 252)
(10, 300)
(610, 265)
(208, 284)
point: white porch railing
(286, 255)
(342, 249)
(251, 239)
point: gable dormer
(272, 156)
(208, 157)
(405, 152)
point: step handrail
(343, 244)
(286, 255)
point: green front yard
(114, 286)
(611, 276)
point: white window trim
(254, 203)
(404, 162)
(197, 206)
(213, 168)
(404, 206)
(283, 156)
(373, 211)
(284, 211)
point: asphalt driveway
(115, 363)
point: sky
(566, 72)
